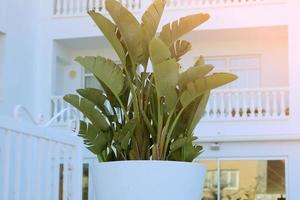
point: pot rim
(163, 162)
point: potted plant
(145, 120)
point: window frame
(230, 69)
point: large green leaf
(184, 150)
(199, 86)
(193, 73)
(173, 31)
(89, 110)
(194, 112)
(106, 71)
(180, 48)
(111, 33)
(151, 18)
(97, 97)
(94, 95)
(166, 72)
(130, 29)
(95, 140)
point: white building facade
(250, 131)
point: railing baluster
(6, 168)
(282, 103)
(29, 156)
(65, 7)
(229, 110)
(275, 104)
(17, 166)
(252, 104)
(71, 8)
(259, 105)
(39, 167)
(47, 170)
(58, 10)
(267, 109)
(222, 106)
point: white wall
(273, 52)
(20, 54)
(2, 56)
(270, 44)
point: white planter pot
(148, 180)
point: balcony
(68, 15)
(224, 105)
(63, 8)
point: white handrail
(54, 118)
(39, 120)
(33, 154)
(18, 116)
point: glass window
(245, 179)
(85, 182)
(246, 67)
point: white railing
(81, 7)
(229, 104)
(194, 4)
(248, 104)
(38, 163)
(62, 113)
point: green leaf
(194, 112)
(193, 73)
(130, 29)
(106, 71)
(181, 142)
(127, 133)
(94, 95)
(166, 72)
(89, 110)
(111, 33)
(180, 48)
(184, 150)
(173, 31)
(95, 140)
(151, 18)
(199, 86)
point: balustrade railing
(81, 7)
(233, 104)
(193, 4)
(38, 163)
(248, 104)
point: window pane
(211, 181)
(252, 179)
(85, 182)
(251, 61)
(217, 62)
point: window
(229, 179)
(245, 179)
(246, 67)
(89, 81)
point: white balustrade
(248, 104)
(229, 104)
(81, 7)
(194, 4)
(30, 159)
(59, 117)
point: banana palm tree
(141, 115)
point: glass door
(245, 179)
